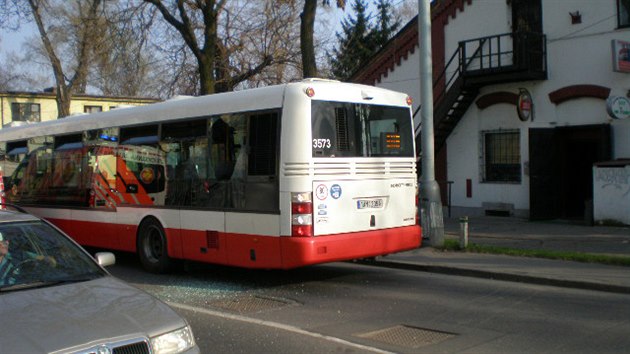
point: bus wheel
(152, 247)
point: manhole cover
(249, 304)
(407, 336)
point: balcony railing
(505, 57)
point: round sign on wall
(618, 107)
(525, 105)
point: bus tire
(152, 246)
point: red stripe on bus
(251, 251)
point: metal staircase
(503, 58)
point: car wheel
(152, 247)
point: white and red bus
(275, 177)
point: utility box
(611, 192)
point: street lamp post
(430, 199)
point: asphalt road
(350, 308)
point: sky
(12, 41)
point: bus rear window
(342, 129)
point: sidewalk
(523, 234)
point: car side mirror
(105, 259)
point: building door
(527, 26)
(526, 16)
(561, 169)
(543, 174)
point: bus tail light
(92, 201)
(302, 214)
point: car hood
(80, 315)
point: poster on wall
(621, 56)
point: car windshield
(34, 254)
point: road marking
(277, 325)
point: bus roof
(182, 107)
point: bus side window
(261, 190)
(103, 164)
(222, 148)
(68, 185)
(227, 134)
(38, 176)
(14, 187)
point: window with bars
(501, 157)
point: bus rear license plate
(369, 203)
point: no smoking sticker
(321, 192)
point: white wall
(406, 78)
(577, 54)
(481, 18)
(611, 194)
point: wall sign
(618, 107)
(525, 105)
(621, 56)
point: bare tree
(121, 61)
(12, 13)
(231, 43)
(85, 36)
(307, 37)
(7, 79)
(83, 43)
(264, 31)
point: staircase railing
(491, 54)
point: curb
(572, 284)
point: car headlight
(173, 342)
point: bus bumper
(302, 251)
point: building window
(623, 13)
(25, 112)
(501, 158)
(92, 109)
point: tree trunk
(307, 27)
(63, 101)
(206, 76)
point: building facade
(530, 97)
(17, 108)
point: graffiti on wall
(618, 178)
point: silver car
(56, 298)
